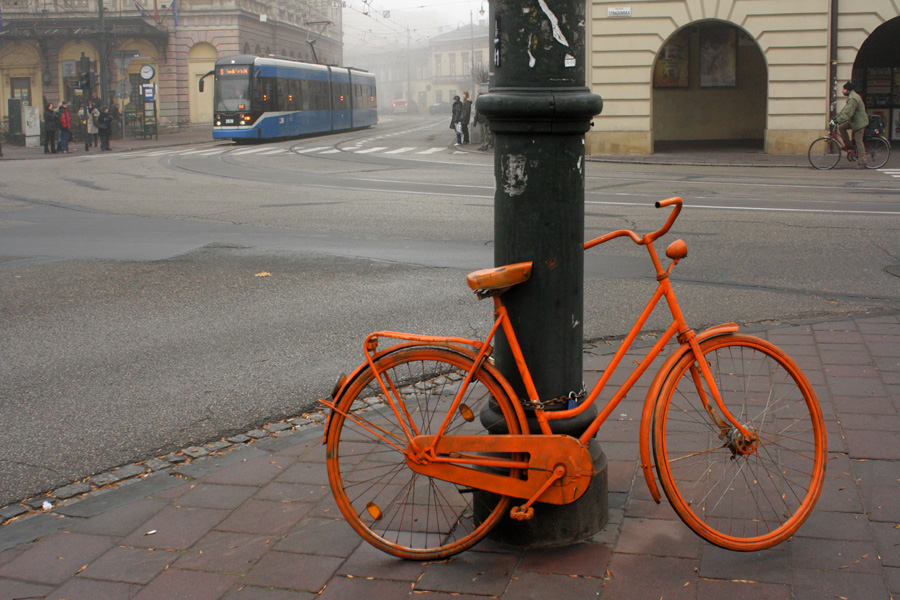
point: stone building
(765, 73)
(150, 41)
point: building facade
(144, 42)
(459, 62)
(430, 71)
(763, 72)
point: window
(21, 89)
(465, 63)
(451, 58)
(437, 65)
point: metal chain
(541, 404)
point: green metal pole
(539, 109)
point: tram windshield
(232, 88)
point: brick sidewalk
(258, 522)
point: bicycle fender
(653, 397)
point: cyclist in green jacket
(854, 117)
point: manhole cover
(893, 270)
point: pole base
(559, 525)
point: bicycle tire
(824, 153)
(878, 151)
(754, 498)
(404, 513)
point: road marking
(160, 152)
(370, 150)
(316, 149)
(399, 150)
(252, 150)
(332, 151)
(200, 151)
(273, 151)
(891, 172)
(431, 151)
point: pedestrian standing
(51, 126)
(65, 127)
(90, 115)
(455, 115)
(104, 126)
(465, 116)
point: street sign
(123, 89)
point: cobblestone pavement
(253, 517)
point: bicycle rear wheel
(740, 494)
(878, 151)
(392, 507)
(824, 153)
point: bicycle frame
(545, 447)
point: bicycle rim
(733, 493)
(395, 509)
(824, 153)
(878, 151)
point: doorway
(710, 87)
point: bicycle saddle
(499, 278)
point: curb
(105, 481)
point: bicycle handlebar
(648, 237)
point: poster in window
(895, 87)
(894, 124)
(671, 69)
(718, 57)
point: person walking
(104, 126)
(455, 115)
(465, 116)
(854, 117)
(65, 127)
(51, 126)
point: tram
(260, 98)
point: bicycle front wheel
(397, 510)
(878, 151)
(738, 493)
(824, 153)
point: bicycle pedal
(518, 513)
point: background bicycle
(825, 152)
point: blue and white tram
(263, 98)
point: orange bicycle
(427, 443)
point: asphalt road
(136, 317)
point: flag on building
(141, 10)
(175, 11)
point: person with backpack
(854, 117)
